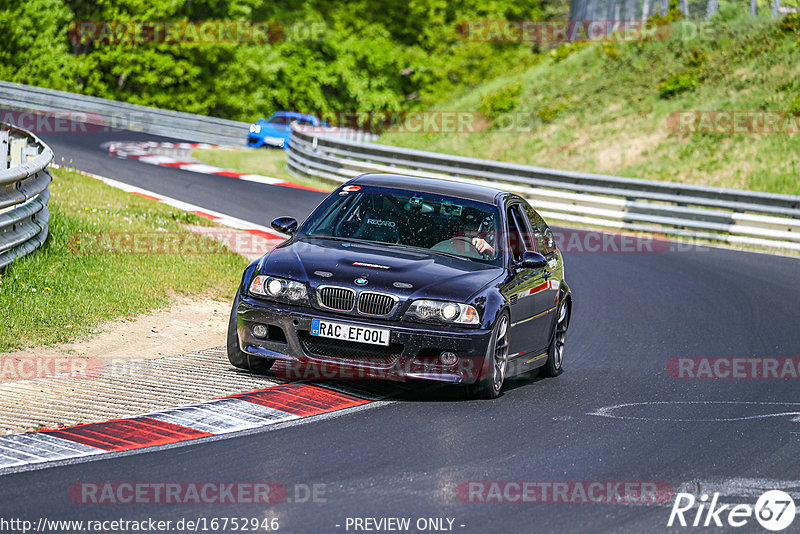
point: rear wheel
(555, 353)
(237, 357)
(493, 373)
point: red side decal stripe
(538, 288)
(301, 399)
(128, 434)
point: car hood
(329, 262)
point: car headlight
(278, 288)
(443, 312)
(255, 128)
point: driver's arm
(482, 246)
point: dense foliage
(359, 55)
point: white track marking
(258, 178)
(217, 217)
(607, 411)
(22, 449)
(199, 167)
(222, 416)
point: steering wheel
(468, 241)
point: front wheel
(237, 357)
(493, 372)
(555, 353)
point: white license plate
(350, 332)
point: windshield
(438, 223)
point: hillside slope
(617, 108)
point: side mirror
(285, 225)
(532, 260)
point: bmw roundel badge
(361, 281)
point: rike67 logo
(774, 510)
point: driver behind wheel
(472, 241)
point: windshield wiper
(426, 250)
(335, 238)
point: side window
(518, 232)
(542, 236)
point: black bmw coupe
(408, 278)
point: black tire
(489, 384)
(240, 359)
(555, 352)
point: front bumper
(257, 141)
(413, 351)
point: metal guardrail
(24, 192)
(698, 212)
(111, 114)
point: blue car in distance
(276, 131)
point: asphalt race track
(633, 312)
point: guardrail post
(17, 147)
(28, 153)
(3, 150)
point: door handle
(547, 274)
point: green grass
(267, 162)
(64, 291)
(603, 108)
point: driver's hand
(482, 246)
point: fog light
(260, 331)
(448, 358)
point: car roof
(478, 193)
(293, 115)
